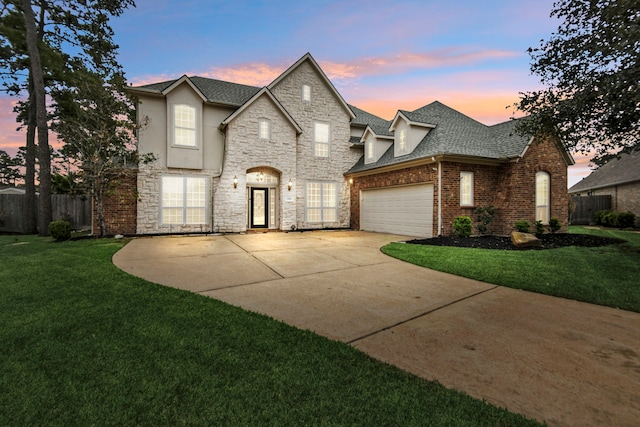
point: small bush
(626, 219)
(462, 226)
(554, 225)
(599, 216)
(539, 229)
(484, 216)
(523, 226)
(60, 230)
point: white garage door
(399, 210)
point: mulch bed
(549, 241)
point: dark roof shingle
(620, 170)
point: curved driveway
(555, 360)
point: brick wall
(516, 198)
(624, 197)
(119, 207)
(414, 175)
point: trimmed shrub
(554, 225)
(484, 216)
(462, 226)
(523, 226)
(599, 216)
(615, 219)
(60, 230)
(539, 229)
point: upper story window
(466, 188)
(542, 197)
(321, 139)
(264, 129)
(369, 149)
(402, 140)
(184, 125)
(306, 93)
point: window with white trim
(466, 188)
(183, 200)
(321, 139)
(543, 195)
(402, 140)
(306, 93)
(184, 125)
(264, 129)
(369, 149)
(322, 202)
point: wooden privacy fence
(75, 209)
(584, 208)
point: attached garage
(405, 210)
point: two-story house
(295, 155)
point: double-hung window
(184, 200)
(264, 131)
(184, 125)
(466, 188)
(321, 139)
(322, 202)
(542, 197)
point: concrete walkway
(558, 361)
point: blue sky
(381, 55)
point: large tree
(591, 72)
(66, 32)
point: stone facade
(324, 107)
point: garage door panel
(404, 210)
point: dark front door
(259, 208)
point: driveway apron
(558, 361)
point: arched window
(543, 195)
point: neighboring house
(12, 190)
(295, 155)
(618, 178)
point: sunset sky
(381, 55)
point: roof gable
(308, 58)
(263, 92)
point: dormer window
(402, 140)
(369, 149)
(264, 131)
(184, 125)
(306, 93)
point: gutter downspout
(439, 198)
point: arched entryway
(263, 198)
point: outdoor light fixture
(235, 181)
(350, 181)
(289, 185)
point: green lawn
(607, 275)
(83, 343)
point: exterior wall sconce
(350, 181)
(235, 181)
(289, 185)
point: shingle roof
(216, 91)
(455, 134)
(620, 170)
(379, 125)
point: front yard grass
(606, 275)
(83, 343)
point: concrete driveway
(555, 360)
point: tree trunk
(45, 214)
(29, 207)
